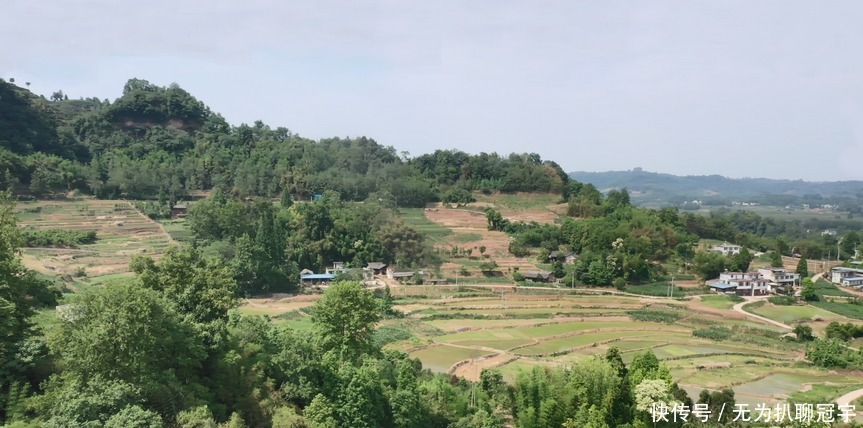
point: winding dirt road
(739, 308)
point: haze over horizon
(740, 89)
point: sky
(768, 88)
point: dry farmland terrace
(464, 227)
(121, 232)
(463, 330)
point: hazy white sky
(740, 88)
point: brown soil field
(121, 233)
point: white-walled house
(779, 276)
(726, 249)
(742, 284)
(849, 277)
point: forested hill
(656, 187)
(161, 142)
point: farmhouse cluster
(368, 273)
(756, 283)
(849, 277)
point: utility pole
(672, 286)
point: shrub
(154, 210)
(654, 315)
(57, 237)
(389, 334)
(713, 332)
(782, 300)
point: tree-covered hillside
(651, 187)
(161, 142)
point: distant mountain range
(647, 187)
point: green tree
(803, 267)
(287, 199)
(345, 318)
(198, 417)
(740, 262)
(21, 292)
(127, 333)
(235, 422)
(708, 265)
(557, 270)
(849, 243)
(287, 417)
(651, 392)
(321, 413)
(803, 332)
(202, 290)
(775, 259)
(782, 247)
(135, 417)
(76, 402)
(808, 291)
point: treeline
(619, 243)
(266, 245)
(612, 238)
(57, 237)
(787, 237)
(161, 141)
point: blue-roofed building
(317, 196)
(853, 281)
(723, 287)
(316, 278)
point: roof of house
(180, 206)
(318, 276)
(536, 274)
(560, 254)
(397, 269)
(402, 274)
(376, 265)
(722, 285)
(847, 269)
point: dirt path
(159, 225)
(739, 308)
(850, 397)
(471, 370)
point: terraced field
(463, 330)
(121, 233)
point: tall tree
(202, 290)
(803, 267)
(21, 292)
(345, 318)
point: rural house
(726, 249)
(741, 283)
(562, 256)
(779, 277)
(179, 210)
(537, 275)
(377, 268)
(849, 277)
(397, 273)
(336, 268)
(316, 278)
